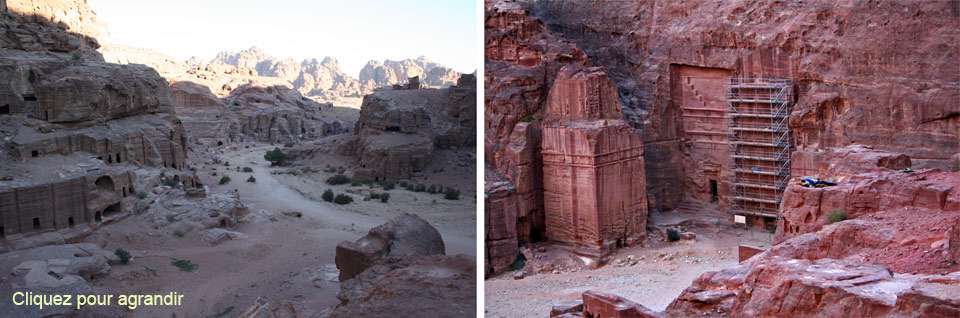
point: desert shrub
(142, 195)
(356, 183)
(170, 182)
(836, 216)
(247, 169)
(123, 255)
(387, 186)
(171, 218)
(251, 179)
(338, 179)
(184, 265)
(451, 194)
(673, 235)
(178, 233)
(403, 184)
(214, 174)
(342, 199)
(374, 195)
(340, 170)
(432, 189)
(77, 55)
(224, 180)
(420, 188)
(275, 156)
(518, 263)
(327, 195)
(384, 197)
(226, 164)
(329, 169)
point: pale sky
(352, 31)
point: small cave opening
(70, 221)
(219, 143)
(714, 195)
(124, 191)
(105, 183)
(29, 97)
(393, 128)
(98, 217)
(111, 210)
(2, 234)
(34, 154)
(5, 109)
(109, 159)
(46, 115)
(223, 223)
(36, 223)
(118, 158)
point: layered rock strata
(594, 193)
(399, 129)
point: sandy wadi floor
(282, 256)
(662, 270)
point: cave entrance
(219, 143)
(393, 128)
(46, 115)
(36, 223)
(34, 154)
(111, 210)
(105, 183)
(70, 221)
(714, 196)
(5, 109)
(223, 223)
(2, 234)
(98, 217)
(118, 158)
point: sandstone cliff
(75, 130)
(398, 129)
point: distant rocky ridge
(326, 79)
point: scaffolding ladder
(759, 144)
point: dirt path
(277, 261)
(663, 271)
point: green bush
(123, 255)
(143, 195)
(77, 55)
(384, 197)
(224, 180)
(673, 235)
(387, 186)
(184, 265)
(178, 233)
(420, 188)
(275, 156)
(170, 182)
(327, 195)
(518, 263)
(342, 199)
(247, 169)
(214, 174)
(403, 184)
(527, 118)
(451, 194)
(432, 189)
(338, 179)
(251, 179)
(171, 218)
(226, 164)
(374, 195)
(356, 183)
(836, 216)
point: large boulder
(406, 236)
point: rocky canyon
(127, 173)
(629, 134)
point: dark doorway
(70, 221)
(98, 217)
(5, 109)
(393, 128)
(714, 196)
(36, 223)
(46, 115)
(34, 153)
(118, 158)
(111, 210)
(1, 232)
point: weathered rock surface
(404, 237)
(442, 285)
(431, 74)
(274, 309)
(500, 219)
(398, 129)
(173, 212)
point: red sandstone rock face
(839, 164)
(806, 210)
(404, 237)
(868, 73)
(594, 192)
(500, 219)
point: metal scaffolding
(759, 143)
